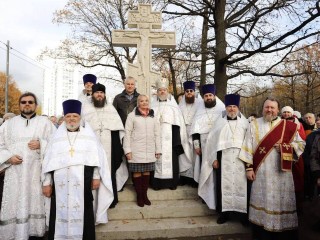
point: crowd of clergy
(59, 176)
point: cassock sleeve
(246, 153)
(5, 154)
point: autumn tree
(249, 37)
(13, 95)
(301, 91)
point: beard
(189, 100)
(269, 118)
(232, 115)
(99, 103)
(28, 111)
(210, 103)
(73, 126)
(163, 97)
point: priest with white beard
(23, 140)
(228, 191)
(75, 163)
(204, 121)
(107, 125)
(174, 142)
(189, 104)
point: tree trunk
(204, 50)
(220, 77)
(173, 75)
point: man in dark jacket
(126, 101)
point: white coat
(142, 137)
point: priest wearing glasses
(23, 140)
(74, 165)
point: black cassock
(116, 160)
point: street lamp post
(7, 79)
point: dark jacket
(315, 156)
(124, 106)
(309, 157)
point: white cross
(144, 38)
(61, 185)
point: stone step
(167, 228)
(182, 192)
(160, 209)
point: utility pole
(7, 80)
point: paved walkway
(308, 219)
(218, 237)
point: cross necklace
(188, 112)
(100, 121)
(161, 112)
(71, 151)
(233, 130)
(210, 122)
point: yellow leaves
(13, 95)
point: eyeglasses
(29, 102)
(189, 91)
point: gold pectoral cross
(71, 151)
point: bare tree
(92, 22)
(242, 32)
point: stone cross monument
(144, 38)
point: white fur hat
(287, 109)
(297, 114)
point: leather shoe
(222, 219)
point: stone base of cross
(144, 83)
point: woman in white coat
(142, 146)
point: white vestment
(226, 136)
(272, 200)
(68, 168)
(84, 98)
(202, 123)
(188, 113)
(23, 204)
(103, 121)
(168, 114)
